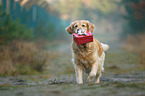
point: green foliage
(49, 31)
(135, 10)
(45, 32)
(10, 30)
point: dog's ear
(70, 28)
(90, 27)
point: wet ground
(123, 76)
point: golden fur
(88, 57)
(87, 54)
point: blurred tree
(45, 32)
(32, 12)
(135, 10)
(29, 3)
(10, 30)
(104, 6)
(76, 9)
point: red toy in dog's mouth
(84, 38)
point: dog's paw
(97, 81)
(89, 80)
(79, 82)
(91, 77)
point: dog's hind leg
(98, 75)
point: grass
(123, 62)
(19, 58)
(130, 85)
(59, 66)
(85, 86)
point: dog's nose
(79, 30)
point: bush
(136, 44)
(10, 30)
(19, 57)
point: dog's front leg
(79, 71)
(92, 73)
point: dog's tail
(105, 46)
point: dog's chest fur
(85, 55)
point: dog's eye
(83, 25)
(76, 26)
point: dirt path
(123, 76)
(118, 85)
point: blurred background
(33, 39)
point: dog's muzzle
(80, 32)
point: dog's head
(80, 25)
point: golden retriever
(88, 57)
